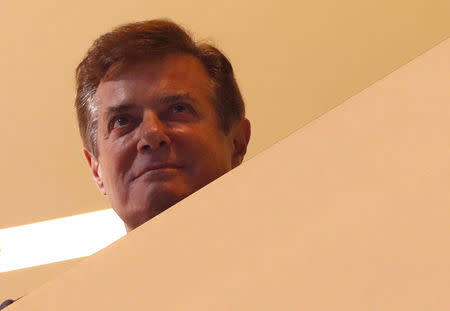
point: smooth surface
(349, 213)
(21, 282)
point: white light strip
(58, 239)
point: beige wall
(351, 212)
(17, 283)
(294, 61)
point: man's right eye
(120, 122)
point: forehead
(156, 76)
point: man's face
(158, 136)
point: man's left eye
(179, 108)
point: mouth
(160, 167)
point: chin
(148, 199)
(159, 198)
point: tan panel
(349, 213)
(15, 284)
(294, 61)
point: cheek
(204, 150)
(117, 162)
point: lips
(154, 167)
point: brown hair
(147, 39)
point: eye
(179, 112)
(120, 121)
(179, 108)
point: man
(160, 117)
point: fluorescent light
(58, 239)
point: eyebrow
(173, 98)
(162, 100)
(120, 108)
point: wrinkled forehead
(170, 70)
(155, 77)
(173, 64)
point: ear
(241, 136)
(95, 170)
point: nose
(153, 133)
